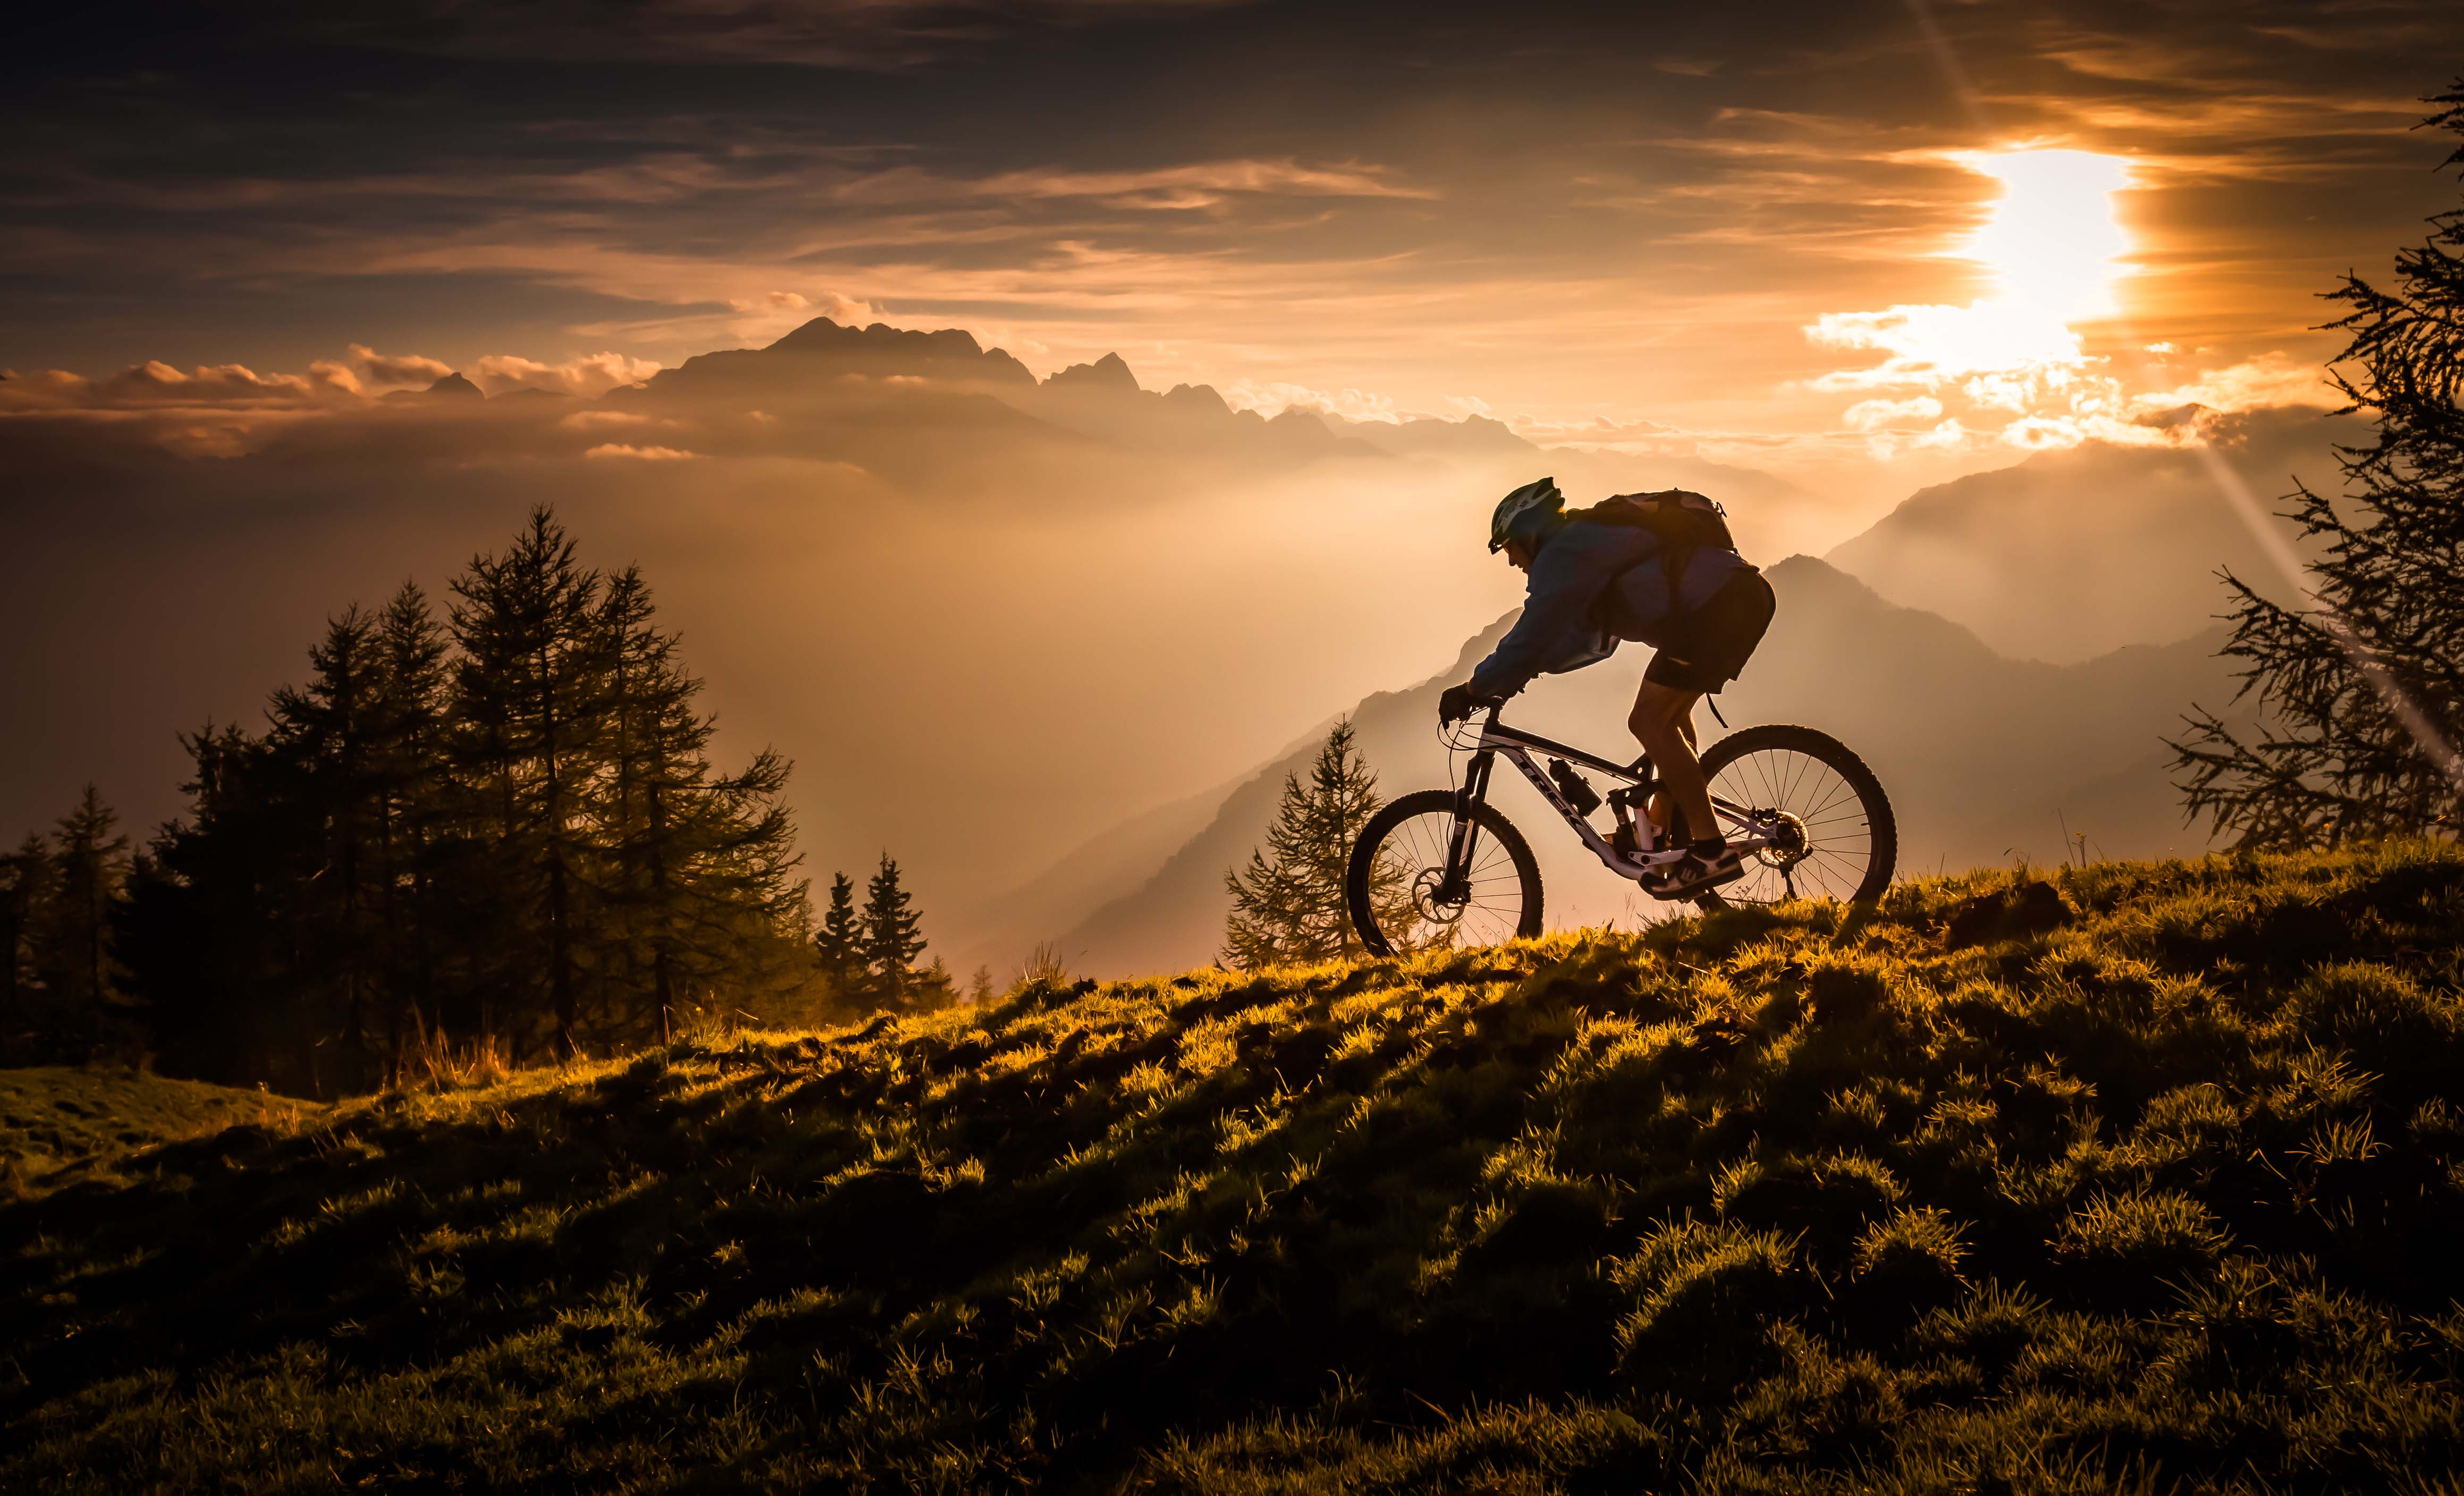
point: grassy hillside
(2148, 1176)
(59, 1125)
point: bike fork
(1456, 887)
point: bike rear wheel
(1396, 877)
(1836, 836)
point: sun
(2052, 249)
(2051, 242)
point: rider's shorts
(1717, 639)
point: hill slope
(2073, 554)
(60, 1124)
(2149, 1176)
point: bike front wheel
(1398, 891)
(1825, 825)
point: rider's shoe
(1706, 865)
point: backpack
(1684, 521)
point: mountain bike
(1444, 867)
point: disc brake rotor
(1424, 898)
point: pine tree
(326, 735)
(700, 879)
(89, 868)
(653, 747)
(1288, 904)
(892, 937)
(839, 947)
(25, 908)
(2363, 691)
(506, 826)
(527, 698)
(411, 808)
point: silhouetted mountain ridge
(2071, 554)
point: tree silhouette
(839, 947)
(2362, 692)
(24, 906)
(528, 689)
(891, 935)
(1288, 904)
(90, 866)
(511, 828)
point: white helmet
(1542, 495)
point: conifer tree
(699, 878)
(653, 750)
(89, 868)
(325, 734)
(25, 908)
(1288, 904)
(2361, 690)
(839, 947)
(891, 935)
(507, 825)
(527, 695)
(411, 808)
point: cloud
(1272, 398)
(640, 454)
(1191, 184)
(879, 35)
(828, 303)
(586, 375)
(1927, 346)
(402, 371)
(602, 420)
(156, 384)
(2270, 379)
(1870, 415)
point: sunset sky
(1855, 242)
(1857, 248)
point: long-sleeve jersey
(1591, 585)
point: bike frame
(1517, 747)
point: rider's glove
(1457, 703)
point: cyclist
(1589, 588)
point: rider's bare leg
(1657, 808)
(1663, 721)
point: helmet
(1542, 495)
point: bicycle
(1440, 868)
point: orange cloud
(640, 454)
(584, 374)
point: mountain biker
(1593, 582)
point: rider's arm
(1567, 578)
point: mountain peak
(1110, 372)
(456, 386)
(820, 335)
